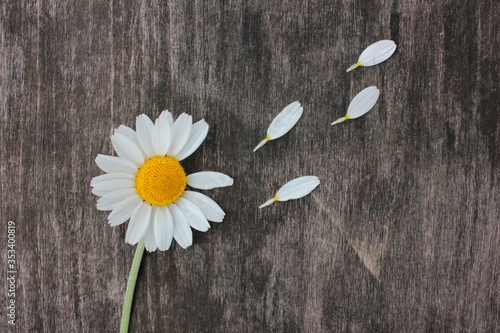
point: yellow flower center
(160, 180)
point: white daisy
(283, 123)
(147, 184)
(361, 104)
(375, 54)
(294, 189)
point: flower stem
(129, 296)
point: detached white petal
(375, 54)
(297, 188)
(294, 189)
(207, 180)
(361, 104)
(283, 123)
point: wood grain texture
(402, 235)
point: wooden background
(402, 235)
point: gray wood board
(402, 235)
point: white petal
(127, 149)
(163, 228)
(180, 134)
(198, 134)
(109, 186)
(208, 207)
(139, 222)
(111, 164)
(193, 214)
(182, 231)
(168, 117)
(208, 180)
(284, 121)
(297, 188)
(149, 237)
(111, 200)
(161, 136)
(111, 176)
(144, 127)
(377, 52)
(129, 134)
(363, 102)
(124, 210)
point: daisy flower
(361, 104)
(146, 184)
(375, 54)
(294, 189)
(283, 123)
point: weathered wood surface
(401, 236)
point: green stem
(129, 296)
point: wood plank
(402, 235)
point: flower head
(294, 189)
(283, 123)
(361, 104)
(147, 184)
(375, 54)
